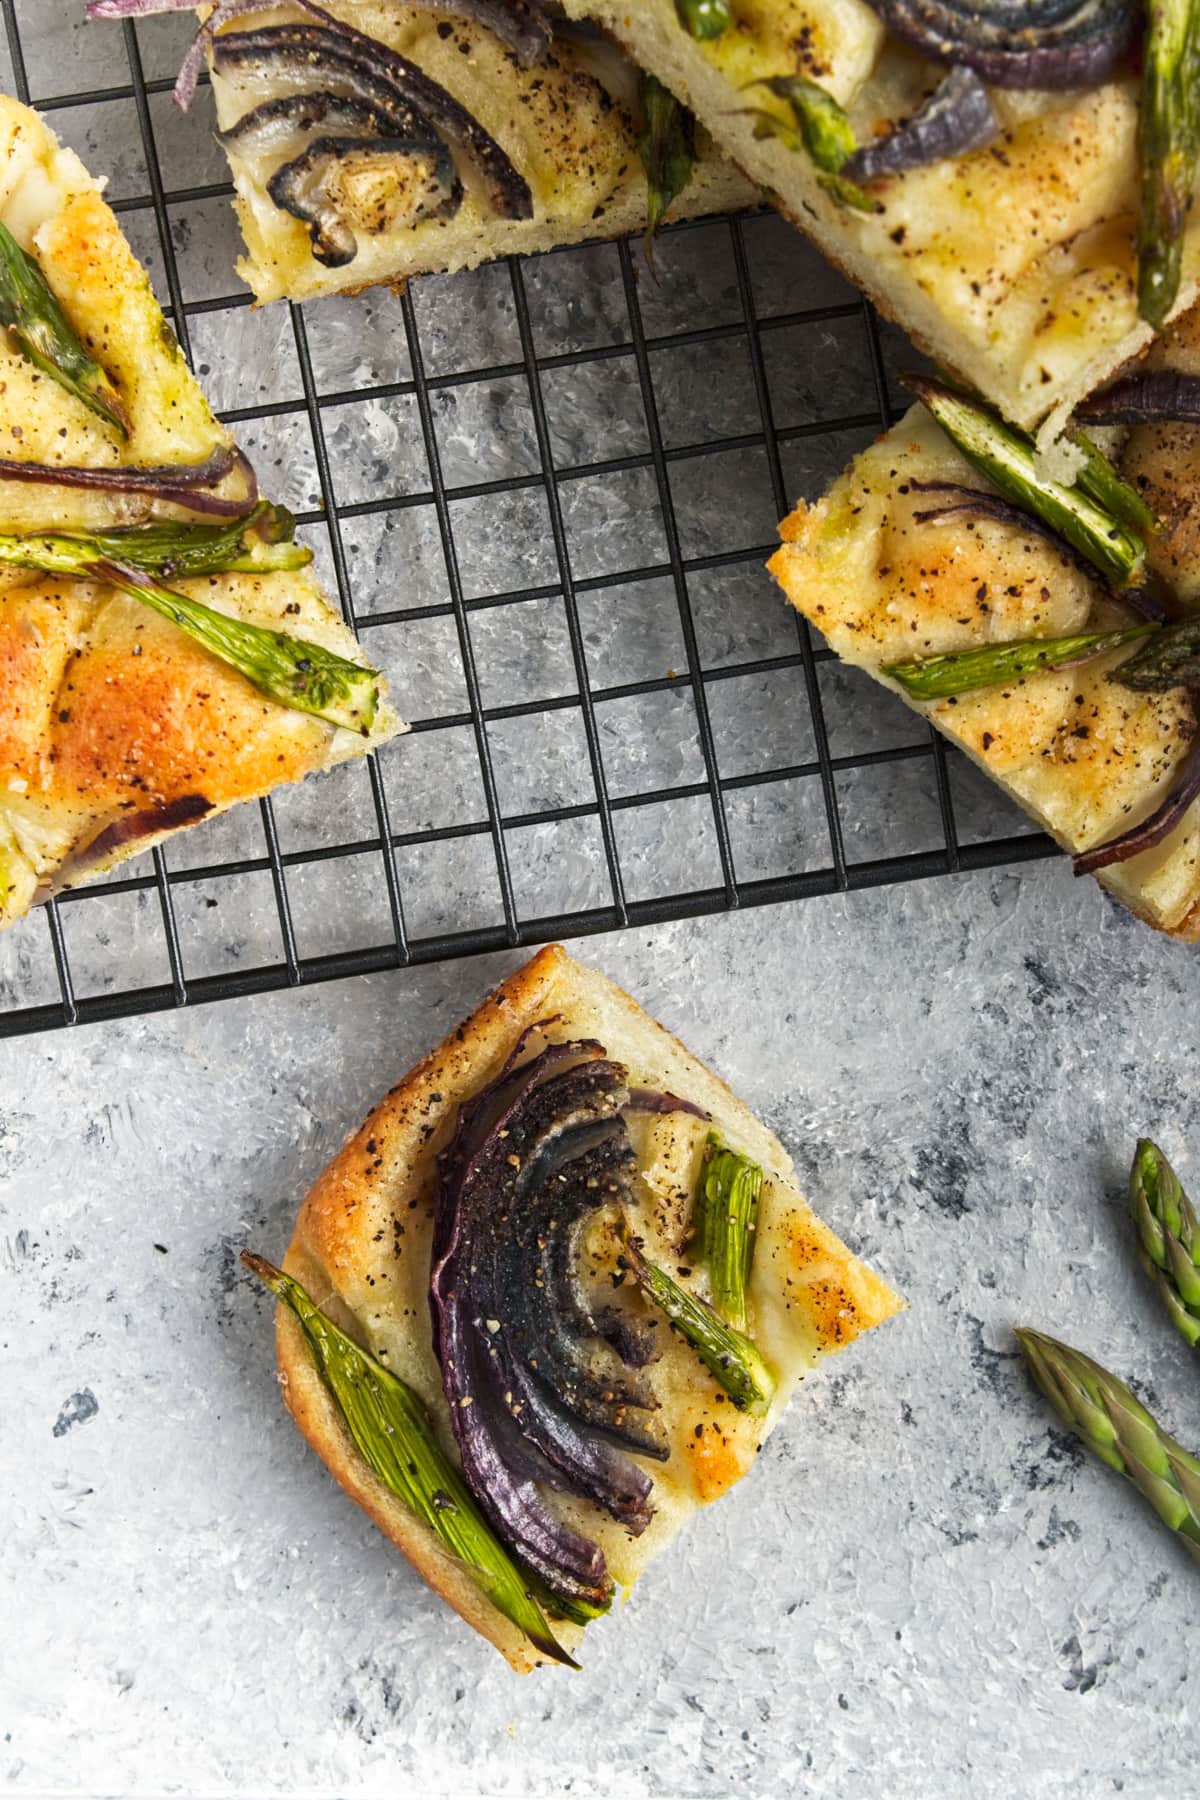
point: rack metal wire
(751, 770)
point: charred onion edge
(991, 506)
(308, 112)
(572, 1566)
(182, 484)
(145, 822)
(959, 34)
(653, 1100)
(1145, 601)
(326, 248)
(521, 24)
(508, 191)
(1184, 791)
(1157, 396)
(957, 118)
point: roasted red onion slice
(1019, 43)
(533, 1157)
(131, 828)
(336, 57)
(281, 128)
(654, 1100)
(973, 503)
(181, 484)
(521, 24)
(405, 180)
(1157, 397)
(958, 117)
(1184, 792)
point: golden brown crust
(566, 123)
(361, 1247)
(116, 728)
(1014, 265)
(336, 1223)
(1082, 755)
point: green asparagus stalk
(1169, 1233)
(392, 1433)
(726, 1219)
(258, 544)
(704, 19)
(1114, 1425)
(943, 677)
(1008, 458)
(1100, 482)
(822, 127)
(45, 335)
(667, 147)
(1168, 141)
(728, 1355)
(291, 671)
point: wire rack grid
(543, 494)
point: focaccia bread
(117, 728)
(1012, 266)
(424, 141)
(1083, 755)
(367, 1241)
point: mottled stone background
(922, 1589)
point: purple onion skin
(542, 1145)
(131, 828)
(181, 484)
(1184, 792)
(1158, 397)
(345, 47)
(962, 35)
(956, 119)
(521, 24)
(652, 1100)
(973, 501)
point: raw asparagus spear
(1117, 1428)
(1169, 1232)
(392, 1433)
(45, 335)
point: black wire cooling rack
(543, 494)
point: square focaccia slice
(1085, 756)
(117, 727)
(1012, 264)
(557, 1110)
(371, 141)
